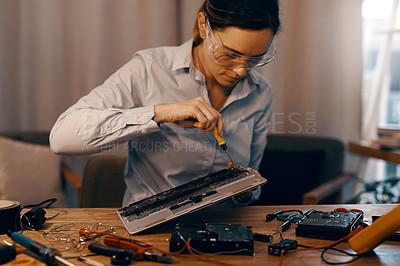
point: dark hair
(245, 14)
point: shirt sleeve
(109, 114)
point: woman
(166, 100)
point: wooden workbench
(387, 253)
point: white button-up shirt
(164, 156)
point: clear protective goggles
(230, 59)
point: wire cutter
(144, 252)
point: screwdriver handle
(220, 140)
(373, 235)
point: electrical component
(213, 238)
(328, 225)
(276, 248)
(188, 197)
(34, 218)
(262, 237)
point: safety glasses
(230, 59)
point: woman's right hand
(196, 112)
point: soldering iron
(47, 254)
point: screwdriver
(222, 144)
(49, 255)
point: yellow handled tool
(222, 144)
(220, 140)
(373, 235)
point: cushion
(290, 174)
(29, 173)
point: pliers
(144, 252)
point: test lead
(285, 226)
(271, 216)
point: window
(377, 31)
(381, 75)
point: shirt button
(143, 131)
(140, 120)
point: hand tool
(49, 255)
(8, 253)
(119, 256)
(222, 144)
(143, 252)
(373, 235)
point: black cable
(341, 251)
(292, 217)
(336, 249)
(338, 263)
(271, 216)
(284, 226)
(299, 211)
(51, 201)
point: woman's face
(230, 49)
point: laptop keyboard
(188, 193)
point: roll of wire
(9, 216)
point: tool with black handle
(143, 251)
(119, 256)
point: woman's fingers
(203, 115)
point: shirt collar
(183, 58)
(242, 89)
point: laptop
(189, 197)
